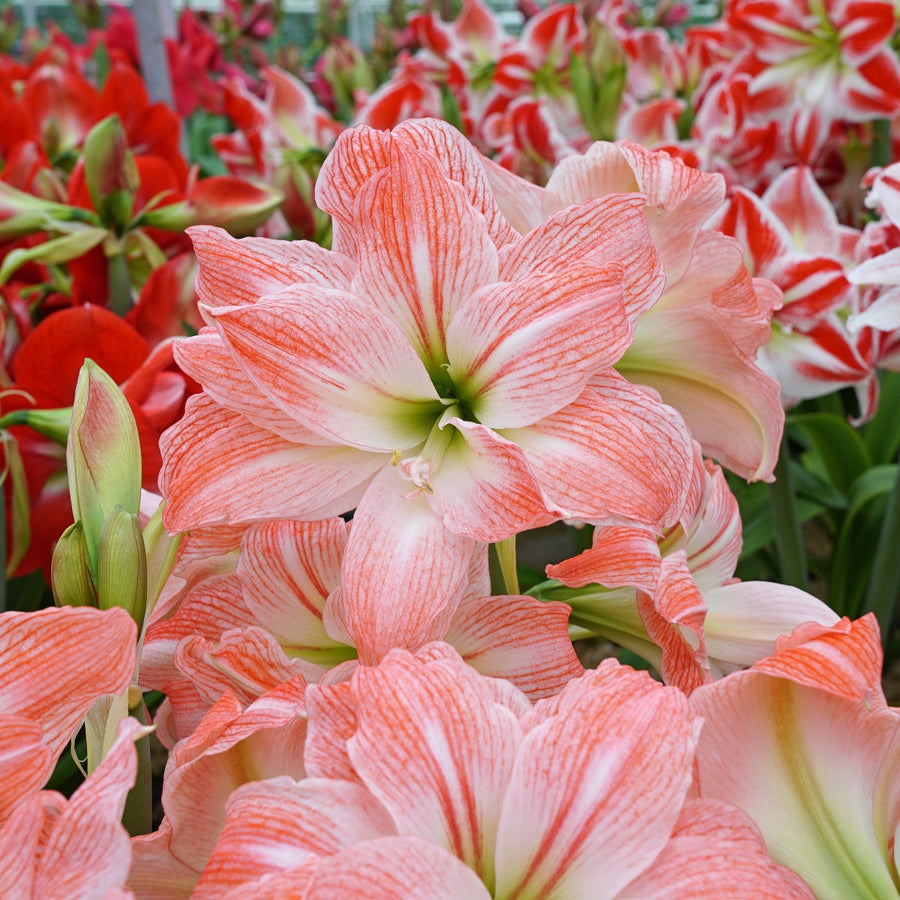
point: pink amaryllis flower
(673, 598)
(54, 664)
(810, 727)
(580, 795)
(696, 344)
(451, 381)
(77, 849)
(265, 605)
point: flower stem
(884, 583)
(138, 814)
(788, 539)
(506, 556)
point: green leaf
(881, 434)
(857, 540)
(843, 454)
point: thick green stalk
(788, 538)
(884, 583)
(138, 815)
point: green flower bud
(70, 575)
(122, 565)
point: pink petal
(715, 851)
(549, 328)
(595, 791)
(845, 658)
(238, 272)
(230, 747)
(331, 710)
(272, 826)
(91, 651)
(403, 571)
(674, 614)
(521, 201)
(402, 867)
(423, 250)
(484, 487)
(207, 359)
(521, 639)
(614, 454)
(287, 570)
(812, 769)
(602, 232)
(26, 762)
(88, 852)
(731, 407)
(619, 556)
(437, 752)
(336, 363)
(220, 468)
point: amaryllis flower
(46, 370)
(582, 795)
(265, 606)
(54, 664)
(75, 848)
(451, 382)
(696, 344)
(810, 727)
(673, 598)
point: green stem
(506, 556)
(788, 538)
(138, 815)
(119, 284)
(884, 584)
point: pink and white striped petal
(602, 232)
(207, 359)
(336, 363)
(287, 570)
(87, 853)
(716, 851)
(437, 751)
(521, 639)
(633, 455)
(90, 651)
(423, 250)
(403, 572)
(732, 408)
(484, 488)
(236, 272)
(275, 825)
(832, 762)
(402, 867)
(220, 468)
(596, 789)
(549, 328)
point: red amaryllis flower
(46, 371)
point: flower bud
(231, 203)
(122, 565)
(103, 454)
(70, 575)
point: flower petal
(238, 272)
(601, 232)
(403, 572)
(615, 454)
(595, 791)
(335, 362)
(521, 639)
(437, 751)
(423, 250)
(553, 329)
(272, 826)
(218, 467)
